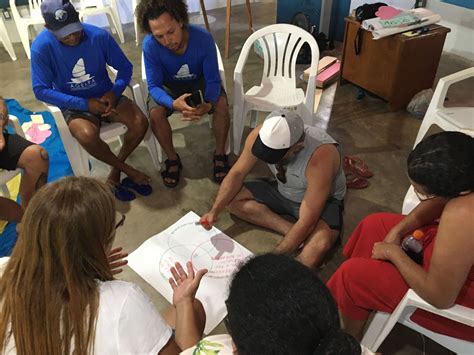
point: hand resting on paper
(185, 285)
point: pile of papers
(391, 21)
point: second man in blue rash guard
(181, 59)
(69, 69)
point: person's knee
(157, 115)
(85, 134)
(235, 206)
(137, 122)
(34, 157)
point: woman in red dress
(379, 272)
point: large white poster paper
(183, 241)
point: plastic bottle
(413, 246)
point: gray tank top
(296, 183)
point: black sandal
(221, 169)
(174, 175)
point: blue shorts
(266, 191)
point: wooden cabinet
(394, 68)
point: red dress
(362, 284)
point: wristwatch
(213, 108)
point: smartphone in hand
(195, 99)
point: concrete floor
(366, 128)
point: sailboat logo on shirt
(184, 73)
(80, 79)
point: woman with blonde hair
(58, 294)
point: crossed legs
(317, 244)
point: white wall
(126, 13)
(460, 20)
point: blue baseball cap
(61, 17)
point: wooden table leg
(204, 14)
(227, 29)
(249, 16)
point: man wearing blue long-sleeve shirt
(69, 69)
(181, 59)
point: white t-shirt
(127, 322)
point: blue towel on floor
(59, 165)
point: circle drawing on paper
(194, 235)
(224, 254)
(198, 256)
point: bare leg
(220, 124)
(35, 163)
(10, 210)
(352, 326)
(162, 130)
(317, 245)
(87, 134)
(245, 207)
(131, 116)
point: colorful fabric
(362, 284)
(59, 165)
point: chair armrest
(459, 76)
(444, 83)
(457, 313)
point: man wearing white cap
(310, 186)
(69, 69)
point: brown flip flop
(357, 166)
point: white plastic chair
(98, 8)
(382, 324)
(459, 119)
(145, 89)
(7, 175)
(78, 156)
(5, 39)
(23, 23)
(281, 44)
(448, 118)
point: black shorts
(266, 192)
(70, 114)
(15, 145)
(176, 91)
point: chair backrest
(33, 7)
(89, 3)
(280, 45)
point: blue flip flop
(144, 190)
(122, 193)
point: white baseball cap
(280, 131)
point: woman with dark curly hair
(379, 272)
(182, 75)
